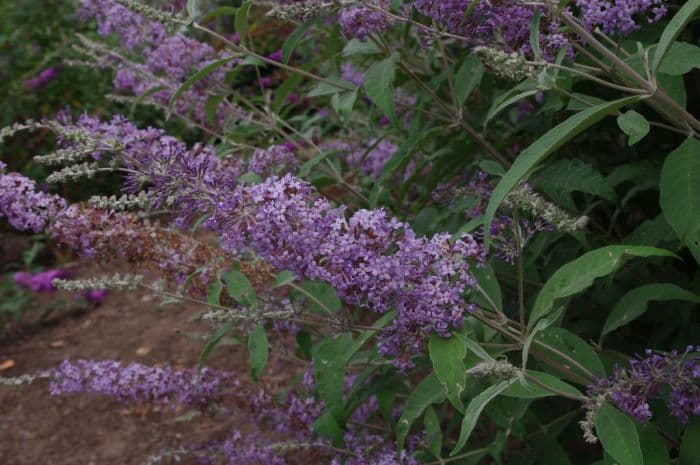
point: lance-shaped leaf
(258, 350)
(428, 392)
(618, 435)
(673, 30)
(379, 84)
(680, 193)
(579, 274)
(447, 355)
(474, 409)
(635, 302)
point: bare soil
(37, 429)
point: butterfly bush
(360, 222)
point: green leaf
(618, 435)
(634, 125)
(196, 77)
(473, 411)
(214, 292)
(357, 47)
(258, 350)
(218, 12)
(488, 281)
(429, 391)
(674, 87)
(537, 392)
(468, 77)
(535, 34)
(321, 296)
(634, 304)
(579, 274)
(563, 177)
(293, 40)
(507, 100)
(250, 178)
(653, 446)
(651, 232)
(335, 86)
(543, 147)
(306, 168)
(690, 444)
(240, 288)
(213, 341)
(575, 104)
(680, 193)
(329, 359)
(673, 30)
(570, 344)
(492, 167)
(191, 8)
(241, 20)
(447, 355)
(433, 432)
(283, 278)
(379, 84)
(680, 59)
(327, 426)
(541, 325)
(344, 103)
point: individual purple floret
(41, 281)
(142, 383)
(23, 206)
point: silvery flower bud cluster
(511, 66)
(525, 198)
(116, 281)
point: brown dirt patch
(36, 429)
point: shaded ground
(37, 429)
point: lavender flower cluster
(619, 17)
(137, 382)
(169, 59)
(675, 375)
(361, 22)
(507, 23)
(372, 261)
(23, 206)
